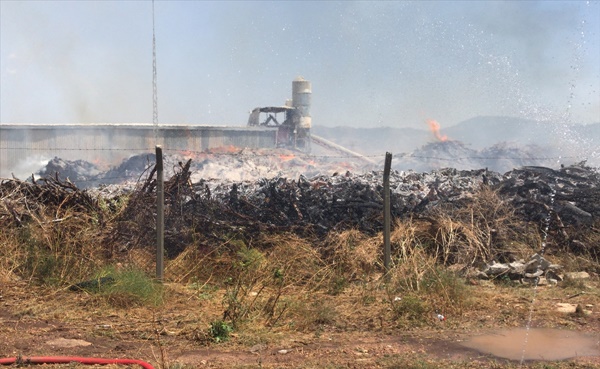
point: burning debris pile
(318, 205)
(253, 164)
(207, 200)
(501, 157)
(306, 206)
(279, 190)
(227, 164)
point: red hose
(70, 359)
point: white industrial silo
(301, 98)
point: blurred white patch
(28, 166)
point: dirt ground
(36, 321)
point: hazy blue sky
(371, 63)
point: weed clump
(123, 287)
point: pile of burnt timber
(23, 201)
(571, 195)
(314, 206)
(565, 199)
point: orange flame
(101, 164)
(230, 149)
(435, 129)
(286, 157)
(188, 154)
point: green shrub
(220, 331)
(245, 285)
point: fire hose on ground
(69, 359)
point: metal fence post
(160, 215)
(386, 212)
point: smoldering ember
(253, 191)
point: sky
(371, 63)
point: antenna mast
(154, 88)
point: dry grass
(276, 285)
(484, 228)
(353, 254)
(55, 247)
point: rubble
(577, 275)
(574, 309)
(68, 343)
(529, 271)
(78, 171)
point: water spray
(546, 226)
